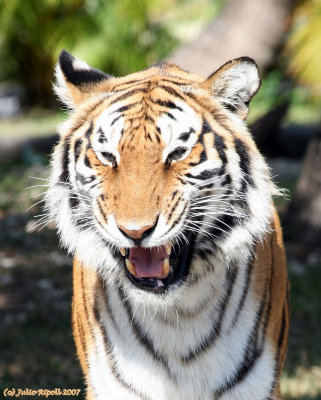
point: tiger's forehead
(148, 116)
(164, 72)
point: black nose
(137, 235)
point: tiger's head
(155, 173)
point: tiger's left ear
(234, 84)
(76, 81)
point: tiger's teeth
(122, 251)
(130, 267)
(165, 270)
(168, 248)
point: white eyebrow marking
(185, 120)
(110, 124)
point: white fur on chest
(167, 376)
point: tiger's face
(153, 169)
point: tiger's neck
(237, 314)
(158, 326)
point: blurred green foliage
(295, 77)
(278, 88)
(120, 37)
(303, 46)
(116, 36)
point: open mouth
(155, 269)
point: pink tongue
(148, 262)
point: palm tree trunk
(253, 28)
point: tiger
(157, 189)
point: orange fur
(142, 187)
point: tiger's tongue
(148, 262)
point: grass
(36, 345)
(302, 375)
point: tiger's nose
(139, 234)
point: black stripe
(101, 211)
(204, 253)
(73, 201)
(244, 291)
(220, 147)
(203, 157)
(105, 296)
(215, 331)
(176, 82)
(149, 118)
(79, 77)
(87, 161)
(86, 318)
(206, 128)
(244, 163)
(157, 138)
(101, 136)
(224, 225)
(288, 298)
(174, 208)
(179, 217)
(89, 130)
(77, 149)
(170, 90)
(108, 347)
(227, 180)
(281, 339)
(170, 115)
(204, 175)
(181, 180)
(282, 330)
(185, 135)
(115, 120)
(127, 94)
(251, 354)
(167, 104)
(64, 176)
(255, 347)
(126, 107)
(85, 304)
(174, 194)
(142, 337)
(123, 86)
(81, 336)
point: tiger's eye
(109, 157)
(175, 155)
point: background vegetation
(119, 37)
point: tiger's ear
(75, 80)
(234, 84)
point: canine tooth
(130, 267)
(168, 248)
(165, 270)
(122, 251)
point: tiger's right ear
(76, 81)
(234, 84)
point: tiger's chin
(156, 269)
